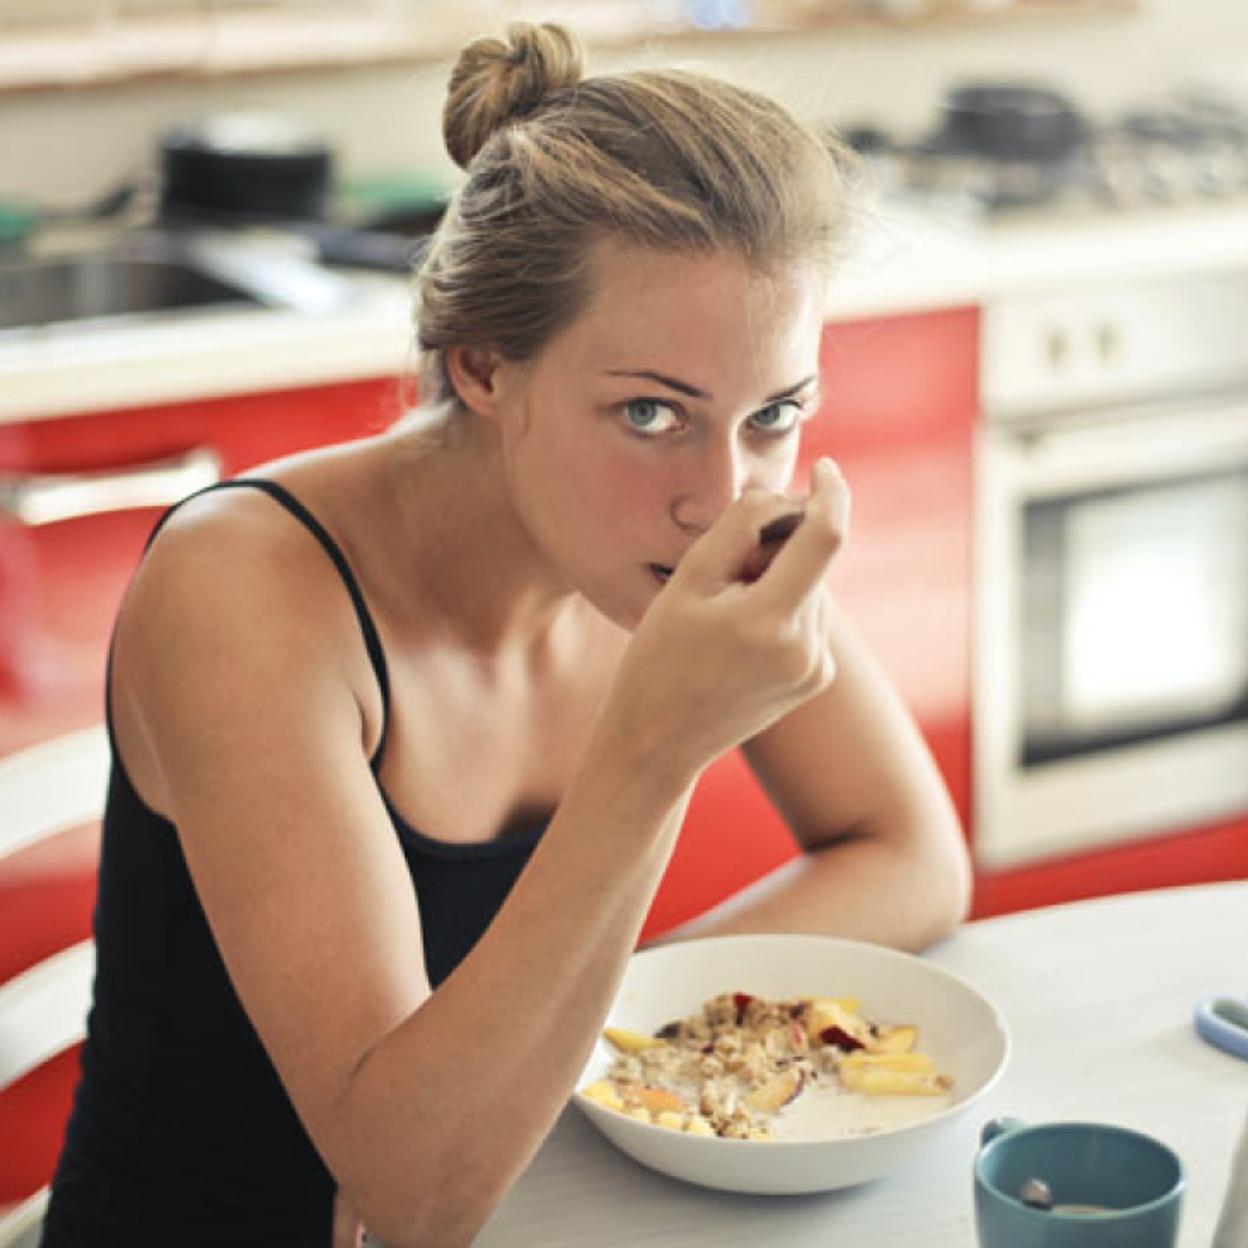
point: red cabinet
(60, 583)
(1187, 856)
(898, 416)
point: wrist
(644, 760)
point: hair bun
(496, 81)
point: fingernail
(825, 468)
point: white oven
(1111, 674)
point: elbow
(409, 1176)
(427, 1226)
(949, 913)
(948, 889)
(430, 1215)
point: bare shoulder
(233, 568)
(237, 607)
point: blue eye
(777, 417)
(650, 417)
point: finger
(805, 557)
(718, 556)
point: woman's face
(684, 381)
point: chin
(624, 610)
(622, 617)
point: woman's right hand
(718, 658)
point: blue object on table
(1223, 1021)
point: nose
(715, 475)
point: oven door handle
(35, 499)
(1141, 447)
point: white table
(1098, 997)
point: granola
(730, 1068)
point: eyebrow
(683, 387)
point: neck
(467, 563)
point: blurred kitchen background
(89, 83)
(1036, 370)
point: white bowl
(958, 1027)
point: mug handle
(998, 1126)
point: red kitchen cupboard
(60, 585)
(1201, 855)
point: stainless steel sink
(44, 292)
(157, 276)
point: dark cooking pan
(1011, 121)
(242, 167)
(247, 169)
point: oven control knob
(1108, 342)
(1056, 347)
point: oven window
(1134, 614)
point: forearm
(861, 887)
(447, 1110)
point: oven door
(1111, 682)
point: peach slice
(824, 1014)
(899, 1039)
(896, 1082)
(777, 1091)
(602, 1091)
(864, 1060)
(630, 1041)
(660, 1100)
(892, 1074)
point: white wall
(66, 145)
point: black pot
(255, 169)
(242, 168)
(1011, 121)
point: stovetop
(1185, 152)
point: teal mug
(1109, 1187)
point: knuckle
(827, 531)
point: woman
(404, 730)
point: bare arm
(885, 859)
(426, 1106)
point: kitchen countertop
(899, 260)
(60, 370)
(906, 260)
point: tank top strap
(372, 640)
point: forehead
(682, 314)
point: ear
(474, 372)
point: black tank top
(181, 1132)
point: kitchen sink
(156, 276)
(44, 292)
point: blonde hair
(555, 162)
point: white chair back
(45, 790)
